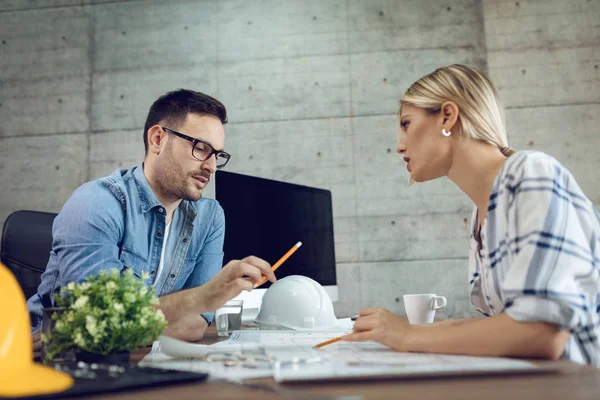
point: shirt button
(172, 275)
(184, 240)
(152, 273)
(159, 234)
(160, 210)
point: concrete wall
(318, 82)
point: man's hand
(234, 277)
(382, 326)
(36, 339)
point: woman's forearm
(494, 336)
(450, 322)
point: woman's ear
(449, 113)
(156, 138)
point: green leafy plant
(108, 313)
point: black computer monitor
(265, 218)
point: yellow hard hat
(19, 375)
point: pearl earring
(445, 132)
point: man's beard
(173, 183)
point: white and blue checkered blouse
(540, 252)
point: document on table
(293, 349)
(373, 360)
(216, 370)
(346, 360)
(295, 359)
(293, 339)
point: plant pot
(48, 324)
(118, 358)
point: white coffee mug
(420, 308)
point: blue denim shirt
(117, 222)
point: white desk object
(370, 360)
(296, 359)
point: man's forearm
(495, 336)
(190, 328)
(185, 303)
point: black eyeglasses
(201, 150)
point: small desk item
(246, 355)
(93, 379)
(252, 356)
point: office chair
(26, 245)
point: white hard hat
(298, 303)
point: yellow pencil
(281, 261)
(337, 339)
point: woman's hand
(381, 326)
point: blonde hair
(480, 115)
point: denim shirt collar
(148, 199)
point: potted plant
(105, 317)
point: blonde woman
(535, 249)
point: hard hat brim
(35, 379)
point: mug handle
(437, 306)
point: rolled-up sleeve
(552, 276)
(85, 241)
(86, 234)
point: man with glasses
(153, 220)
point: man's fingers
(250, 271)
(257, 262)
(37, 346)
(232, 267)
(231, 290)
(262, 265)
(242, 268)
(37, 341)
(241, 284)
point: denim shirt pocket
(188, 266)
(134, 262)
(183, 274)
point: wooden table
(571, 382)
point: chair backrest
(26, 245)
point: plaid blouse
(539, 252)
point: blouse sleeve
(553, 275)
